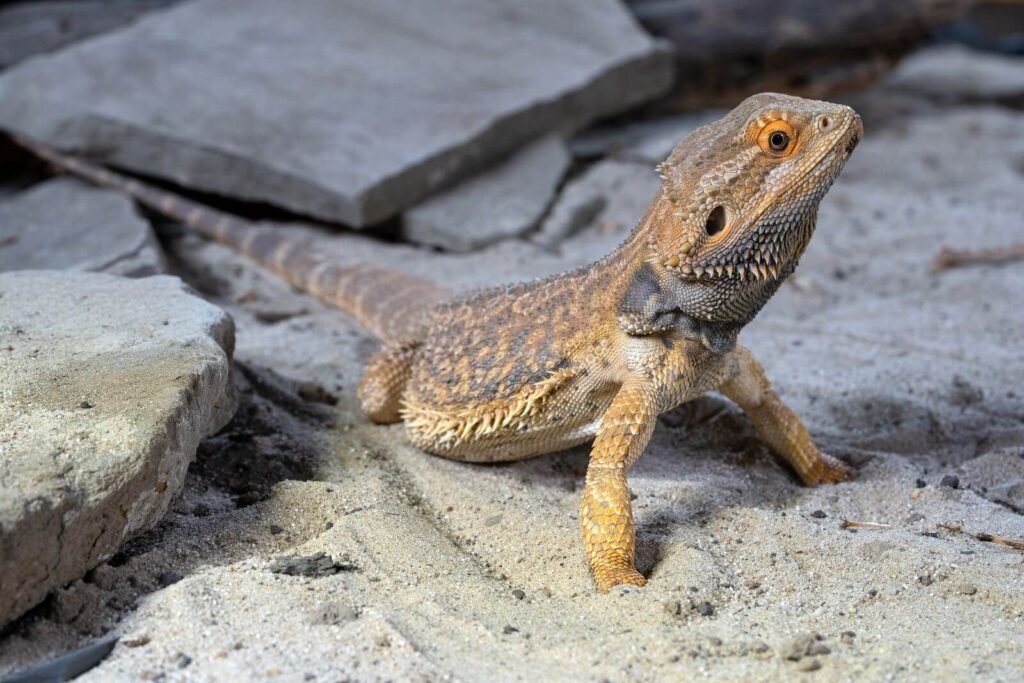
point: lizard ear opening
(715, 222)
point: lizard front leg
(776, 424)
(606, 516)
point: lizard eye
(777, 138)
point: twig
(988, 538)
(850, 524)
(954, 258)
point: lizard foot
(826, 470)
(617, 574)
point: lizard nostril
(716, 221)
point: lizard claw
(610, 576)
(827, 470)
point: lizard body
(597, 353)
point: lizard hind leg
(383, 382)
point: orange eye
(777, 138)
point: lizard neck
(650, 300)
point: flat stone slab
(955, 73)
(342, 109)
(612, 194)
(29, 28)
(506, 201)
(102, 405)
(65, 224)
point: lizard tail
(390, 304)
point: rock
(64, 224)
(727, 49)
(954, 73)
(950, 481)
(506, 201)
(77, 482)
(614, 194)
(29, 28)
(647, 141)
(343, 110)
(312, 566)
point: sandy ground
(447, 571)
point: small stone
(85, 405)
(493, 521)
(705, 609)
(920, 483)
(312, 566)
(819, 514)
(275, 529)
(168, 578)
(847, 637)
(950, 481)
(759, 646)
(925, 579)
(872, 592)
(964, 393)
(518, 594)
(509, 630)
(804, 645)
(182, 661)
(809, 664)
(135, 641)
(967, 589)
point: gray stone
(612, 194)
(29, 28)
(956, 73)
(345, 110)
(64, 224)
(106, 387)
(506, 201)
(647, 141)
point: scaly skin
(594, 354)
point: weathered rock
(65, 224)
(615, 194)
(648, 141)
(28, 28)
(344, 110)
(507, 201)
(954, 73)
(726, 49)
(106, 387)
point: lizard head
(743, 196)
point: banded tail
(390, 304)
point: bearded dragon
(597, 353)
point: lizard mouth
(766, 266)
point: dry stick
(850, 524)
(954, 258)
(988, 538)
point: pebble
(275, 529)
(819, 514)
(847, 637)
(509, 630)
(183, 660)
(166, 579)
(920, 484)
(704, 609)
(811, 664)
(950, 481)
(518, 594)
(925, 579)
(967, 589)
